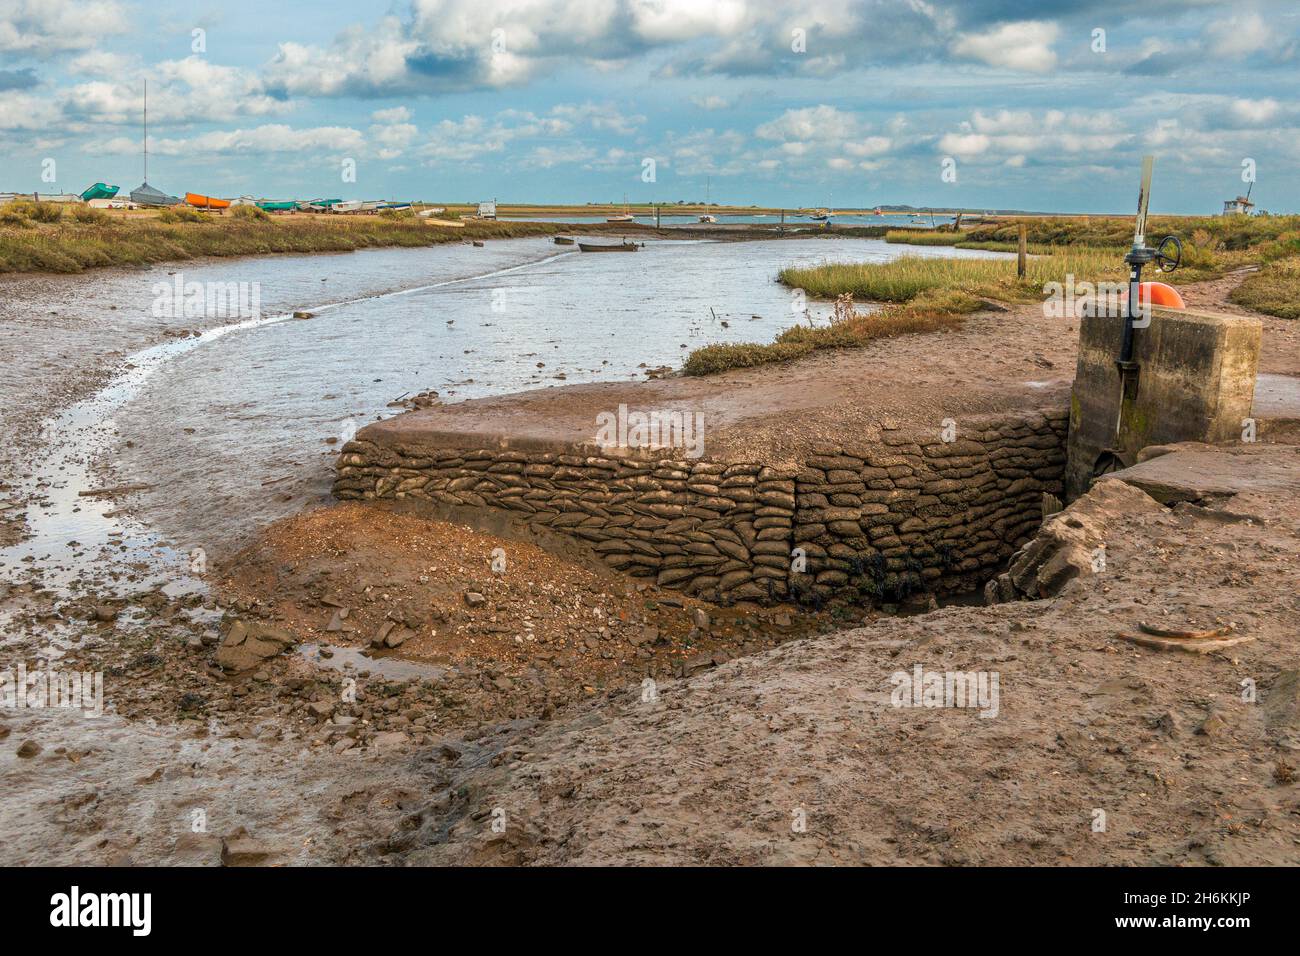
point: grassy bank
(1274, 290)
(68, 244)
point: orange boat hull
(206, 202)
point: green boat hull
(99, 191)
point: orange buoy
(1157, 293)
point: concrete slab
(1208, 472)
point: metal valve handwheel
(1169, 260)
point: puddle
(350, 659)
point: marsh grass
(903, 279)
(70, 246)
(928, 312)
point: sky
(839, 103)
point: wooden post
(1020, 253)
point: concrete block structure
(1195, 382)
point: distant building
(1241, 204)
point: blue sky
(809, 102)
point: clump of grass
(1273, 290)
(250, 212)
(182, 214)
(712, 359)
(929, 312)
(22, 211)
(88, 214)
(924, 237)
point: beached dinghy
(601, 247)
(563, 241)
(146, 195)
(277, 206)
(99, 191)
(199, 201)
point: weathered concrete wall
(1196, 382)
(909, 513)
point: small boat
(56, 197)
(821, 215)
(346, 205)
(99, 191)
(276, 206)
(199, 201)
(146, 195)
(601, 247)
(624, 216)
(395, 206)
(110, 204)
(318, 205)
(432, 211)
(563, 241)
(708, 218)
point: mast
(146, 132)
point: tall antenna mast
(146, 131)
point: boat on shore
(602, 247)
(146, 195)
(318, 205)
(267, 205)
(99, 191)
(199, 201)
(563, 241)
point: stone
(29, 748)
(390, 740)
(240, 849)
(248, 643)
(475, 599)
(1213, 725)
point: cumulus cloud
(838, 138)
(45, 27)
(1026, 45)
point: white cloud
(271, 138)
(1026, 46)
(398, 114)
(45, 27)
(710, 102)
(1240, 36)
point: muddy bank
(1100, 753)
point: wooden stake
(1020, 253)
